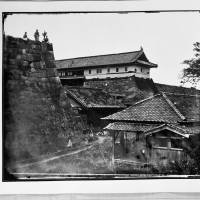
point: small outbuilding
(157, 129)
(92, 104)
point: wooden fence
(169, 154)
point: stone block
(33, 69)
(16, 74)
(36, 57)
(38, 73)
(12, 62)
(11, 84)
(24, 51)
(25, 57)
(11, 67)
(36, 46)
(19, 57)
(50, 64)
(49, 47)
(37, 65)
(25, 63)
(12, 52)
(31, 57)
(51, 72)
(50, 56)
(11, 43)
(55, 80)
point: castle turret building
(75, 70)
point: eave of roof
(103, 60)
(149, 129)
(129, 127)
(176, 129)
(147, 63)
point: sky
(167, 38)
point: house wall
(117, 71)
(165, 147)
(134, 147)
(130, 146)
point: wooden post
(113, 157)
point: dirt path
(100, 140)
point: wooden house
(156, 130)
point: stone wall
(132, 88)
(38, 118)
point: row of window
(169, 143)
(98, 71)
(65, 74)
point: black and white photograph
(104, 95)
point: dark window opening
(137, 137)
(162, 142)
(89, 71)
(126, 69)
(99, 71)
(69, 73)
(117, 69)
(108, 70)
(176, 143)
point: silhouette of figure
(45, 38)
(69, 143)
(36, 35)
(25, 37)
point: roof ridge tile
(173, 106)
(101, 55)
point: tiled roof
(192, 129)
(93, 98)
(153, 109)
(122, 126)
(101, 60)
(185, 131)
(188, 105)
(176, 89)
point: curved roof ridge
(140, 52)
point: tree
(191, 73)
